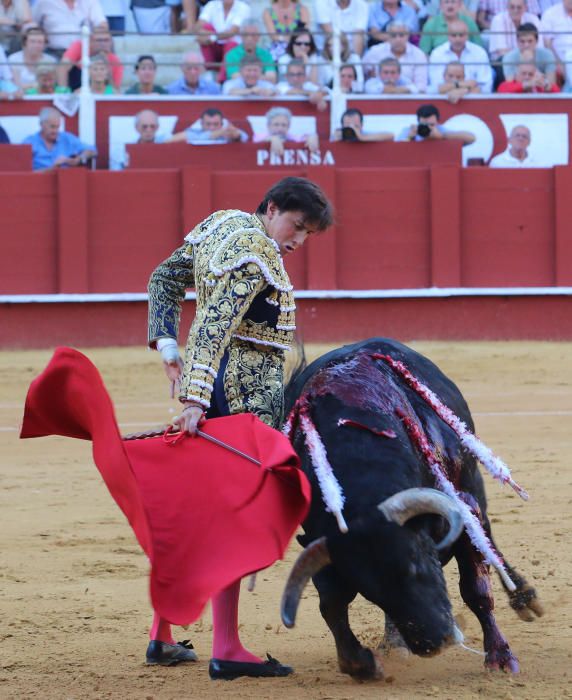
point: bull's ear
(304, 540)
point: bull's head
(395, 567)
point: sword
(157, 432)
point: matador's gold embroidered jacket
(245, 313)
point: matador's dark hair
(300, 194)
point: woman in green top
(145, 70)
(99, 76)
(281, 19)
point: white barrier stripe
(421, 293)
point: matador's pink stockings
(226, 642)
(161, 630)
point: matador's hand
(174, 371)
(190, 419)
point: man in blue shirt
(3, 136)
(192, 82)
(52, 148)
(383, 12)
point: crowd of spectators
(451, 48)
(447, 47)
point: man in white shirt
(297, 84)
(390, 81)
(249, 82)
(62, 22)
(502, 37)
(413, 61)
(556, 28)
(459, 48)
(516, 155)
(353, 18)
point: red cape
(203, 515)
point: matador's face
(288, 228)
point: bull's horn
(314, 557)
(405, 505)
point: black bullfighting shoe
(163, 654)
(219, 669)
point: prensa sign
(294, 156)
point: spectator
(527, 42)
(297, 84)
(4, 136)
(212, 128)
(556, 28)
(303, 47)
(249, 82)
(250, 46)
(389, 81)
(99, 76)
(353, 16)
(63, 23)
(281, 19)
(279, 120)
(489, 8)
(528, 79)
(52, 148)
(516, 155)
(151, 16)
(455, 85)
(25, 63)
(193, 81)
(458, 48)
(412, 60)
(46, 82)
(147, 126)
(146, 71)
(352, 121)
(349, 82)
(326, 69)
(428, 128)
(100, 42)
(468, 8)
(8, 89)
(383, 12)
(218, 27)
(502, 37)
(435, 30)
(114, 11)
(15, 18)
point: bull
(393, 530)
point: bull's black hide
(373, 457)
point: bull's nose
(457, 637)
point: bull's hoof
(502, 660)
(393, 643)
(526, 603)
(366, 667)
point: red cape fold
(203, 515)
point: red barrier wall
(76, 231)
(319, 321)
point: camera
(349, 134)
(423, 130)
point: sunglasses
(458, 34)
(302, 43)
(397, 33)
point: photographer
(352, 129)
(428, 128)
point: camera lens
(423, 130)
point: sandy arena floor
(73, 582)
